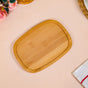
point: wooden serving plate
(83, 7)
(42, 45)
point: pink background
(58, 75)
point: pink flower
(3, 14)
(12, 6)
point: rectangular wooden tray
(42, 45)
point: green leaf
(12, 1)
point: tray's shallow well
(42, 45)
(84, 7)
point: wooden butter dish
(83, 7)
(42, 45)
(24, 1)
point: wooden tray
(83, 8)
(42, 45)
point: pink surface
(58, 75)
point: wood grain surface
(40, 46)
